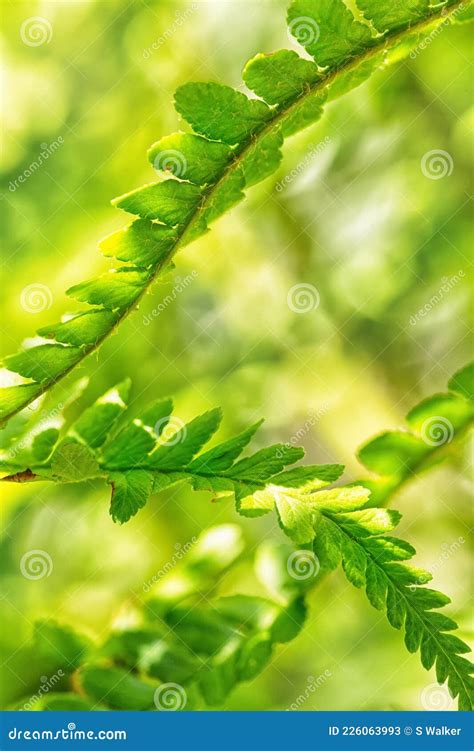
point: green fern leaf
(434, 426)
(372, 561)
(143, 455)
(235, 144)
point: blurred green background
(358, 220)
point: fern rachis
(223, 162)
(340, 524)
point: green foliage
(197, 646)
(139, 456)
(184, 635)
(433, 425)
(209, 169)
(208, 647)
(377, 562)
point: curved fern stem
(241, 161)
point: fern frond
(155, 450)
(236, 143)
(188, 638)
(434, 427)
(139, 456)
(377, 562)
